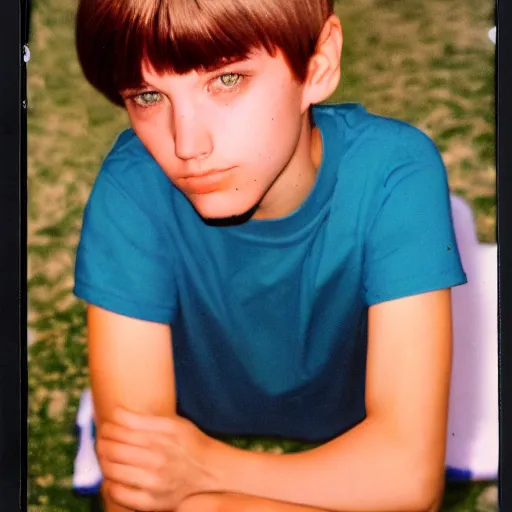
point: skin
(154, 460)
(255, 129)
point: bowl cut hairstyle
(115, 37)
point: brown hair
(114, 37)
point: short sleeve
(124, 259)
(410, 245)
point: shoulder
(129, 170)
(373, 153)
(363, 133)
(128, 159)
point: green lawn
(424, 61)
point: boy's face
(229, 139)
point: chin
(223, 212)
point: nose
(192, 139)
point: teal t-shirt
(269, 317)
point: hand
(153, 463)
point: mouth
(206, 174)
(206, 182)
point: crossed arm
(393, 461)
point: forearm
(229, 502)
(366, 469)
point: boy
(256, 264)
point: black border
(13, 254)
(24, 23)
(504, 219)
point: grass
(424, 61)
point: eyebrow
(133, 90)
(215, 68)
(219, 66)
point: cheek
(266, 128)
(276, 133)
(155, 134)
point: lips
(206, 182)
(207, 173)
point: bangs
(177, 36)
(185, 35)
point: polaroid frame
(504, 214)
(14, 29)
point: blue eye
(147, 99)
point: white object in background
(87, 474)
(492, 34)
(473, 436)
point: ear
(323, 73)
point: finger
(123, 453)
(130, 476)
(105, 487)
(132, 498)
(142, 422)
(121, 434)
